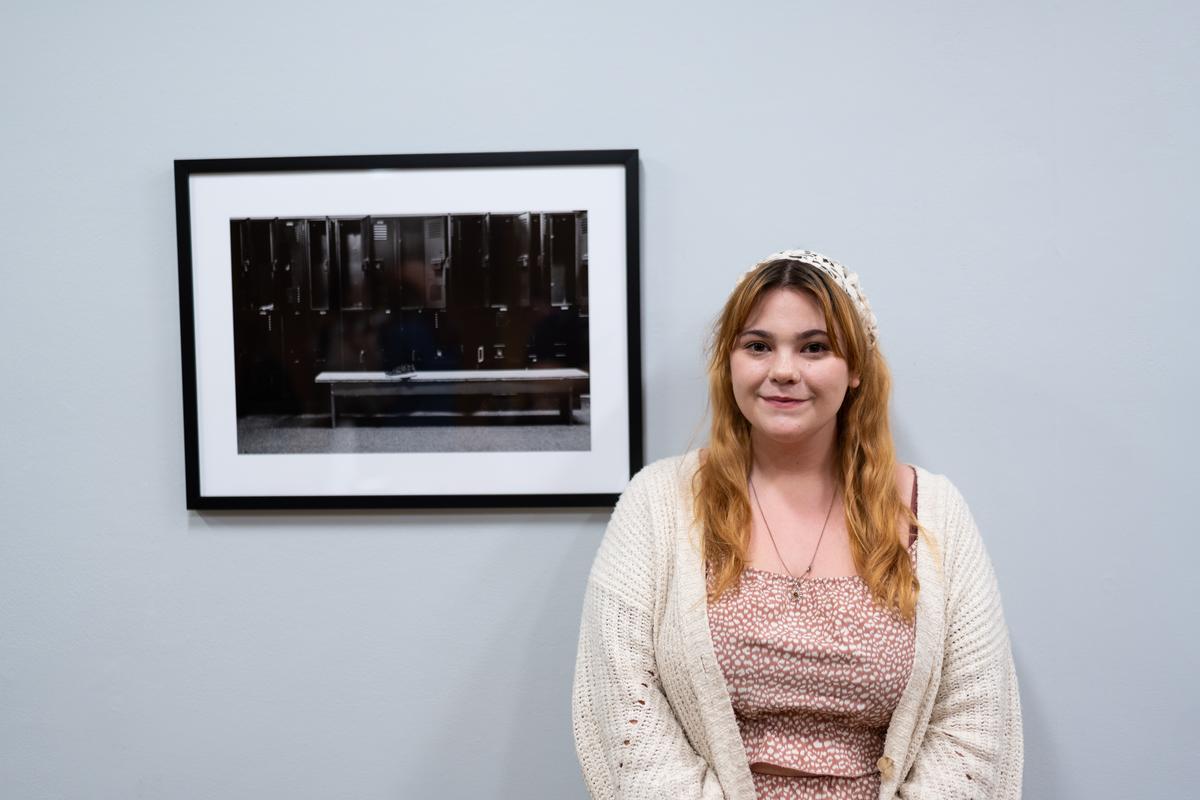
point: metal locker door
(524, 250)
(435, 261)
(562, 255)
(318, 264)
(385, 258)
(581, 260)
(353, 263)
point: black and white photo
(410, 330)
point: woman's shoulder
(663, 477)
(656, 489)
(938, 488)
(640, 535)
(943, 509)
(660, 492)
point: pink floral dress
(814, 679)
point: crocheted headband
(847, 280)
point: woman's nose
(783, 369)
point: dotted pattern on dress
(814, 683)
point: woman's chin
(783, 435)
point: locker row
(413, 262)
(278, 356)
(461, 292)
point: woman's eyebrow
(761, 334)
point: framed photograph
(438, 330)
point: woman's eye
(757, 347)
(820, 347)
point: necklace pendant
(796, 595)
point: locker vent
(380, 232)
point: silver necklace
(804, 575)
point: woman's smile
(784, 402)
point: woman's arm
(973, 747)
(629, 742)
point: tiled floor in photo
(417, 432)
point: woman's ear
(855, 380)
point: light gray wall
(1016, 183)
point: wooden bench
(566, 383)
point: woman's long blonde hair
(865, 457)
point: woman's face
(786, 379)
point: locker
(436, 262)
(319, 278)
(354, 263)
(385, 261)
(581, 260)
(562, 248)
(467, 283)
(290, 261)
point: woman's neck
(806, 469)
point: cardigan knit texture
(651, 714)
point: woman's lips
(783, 403)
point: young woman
(789, 613)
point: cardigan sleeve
(972, 747)
(629, 741)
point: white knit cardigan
(651, 714)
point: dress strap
(912, 529)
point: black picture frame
(473, 318)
